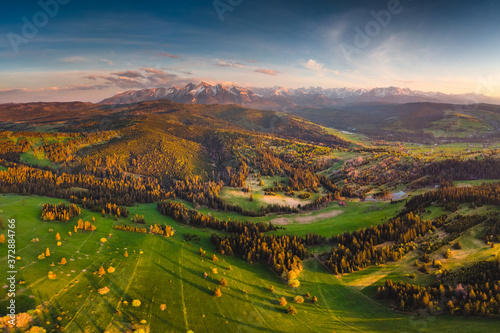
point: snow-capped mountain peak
(281, 98)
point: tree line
(360, 249)
(182, 214)
(282, 253)
(470, 291)
(60, 212)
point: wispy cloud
(319, 67)
(169, 55)
(271, 72)
(224, 63)
(69, 88)
(142, 78)
(109, 62)
(128, 74)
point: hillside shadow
(177, 276)
(251, 327)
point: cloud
(109, 62)
(69, 88)
(271, 72)
(319, 67)
(128, 74)
(142, 78)
(91, 77)
(224, 63)
(123, 82)
(85, 87)
(314, 65)
(74, 60)
(152, 70)
(170, 55)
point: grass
(170, 271)
(237, 196)
(355, 216)
(38, 159)
(356, 139)
(457, 125)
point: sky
(88, 50)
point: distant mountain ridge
(280, 98)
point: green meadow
(169, 271)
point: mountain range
(283, 99)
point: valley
(198, 218)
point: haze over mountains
(280, 98)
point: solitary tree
(314, 300)
(2, 239)
(223, 282)
(294, 283)
(63, 261)
(47, 252)
(58, 237)
(272, 289)
(282, 301)
(217, 292)
(291, 310)
(298, 299)
(101, 271)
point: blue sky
(89, 50)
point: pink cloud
(271, 72)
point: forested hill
(77, 116)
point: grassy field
(237, 196)
(457, 125)
(352, 217)
(38, 159)
(170, 271)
